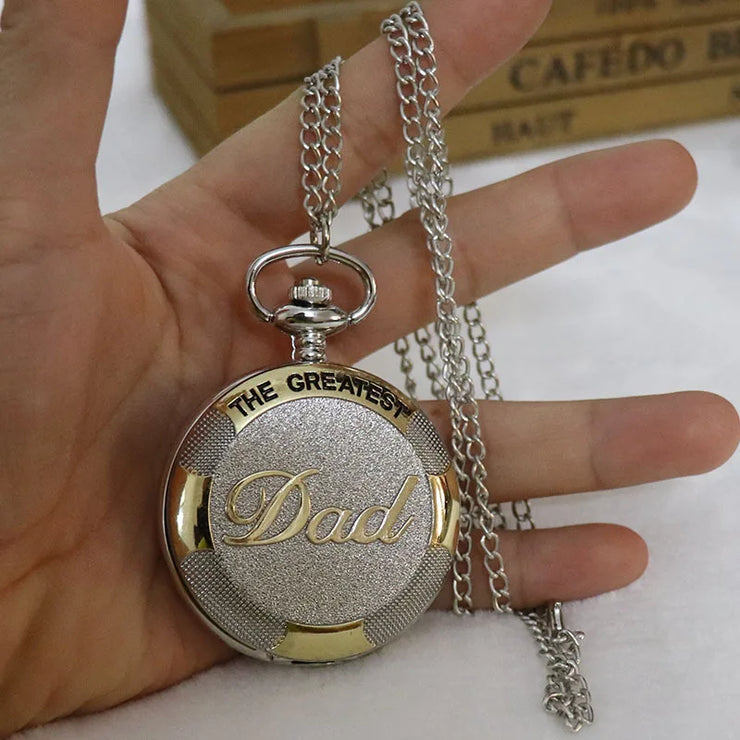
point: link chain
(321, 152)
(427, 174)
(566, 694)
(448, 368)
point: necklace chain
(442, 352)
(428, 178)
(429, 182)
(321, 152)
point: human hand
(115, 331)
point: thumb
(56, 69)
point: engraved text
(333, 524)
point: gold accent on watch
(266, 390)
(305, 643)
(188, 520)
(446, 496)
(303, 519)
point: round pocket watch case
(310, 513)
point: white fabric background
(659, 311)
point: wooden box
(595, 67)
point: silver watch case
(310, 513)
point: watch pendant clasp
(311, 317)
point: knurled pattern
(206, 443)
(311, 294)
(428, 444)
(222, 602)
(395, 617)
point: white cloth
(659, 311)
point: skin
(115, 330)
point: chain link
(491, 387)
(447, 364)
(376, 199)
(402, 349)
(567, 694)
(321, 152)
(428, 355)
(481, 351)
(448, 367)
(427, 171)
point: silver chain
(481, 350)
(566, 694)
(427, 173)
(321, 152)
(491, 387)
(428, 356)
(376, 199)
(448, 368)
(444, 353)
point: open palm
(114, 331)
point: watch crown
(311, 292)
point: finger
(561, 564)
(56, 67)
(509, 230)
(547, 449)
(256, 171)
